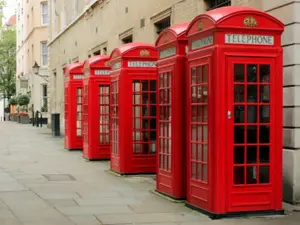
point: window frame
(46, 13)
(44, 54)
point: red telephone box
(73, 106)
(235, 112)
(171, 45)
(96, 86)
(133, 108)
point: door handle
(229, 114)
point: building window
(127, 39)
(162, 24)
(44, 53)
(44, 13)
(104, 51)
(98, 52)
(212, 4)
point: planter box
(24, 119)
(14, 118)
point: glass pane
(239, 155)
(205, 73)
(251, 175)
(239, 134)
(145, 85)
(152, 85)
(199, 152)
(194, 150)
(204, 149)
(194, 132)
(264, 174)
(205, 134)
(199, 74)
(264, 73)
(264, 154)
(264, 134)
(194, 169)
(264, 114)
(251, 154)
(205, 112)
(204, 177)
(252, 93)
(252, 73)
(239, 93)
(239, 175)
(252, 134)
(265, 93)
(252, 114)
(193, 78)
(199, 133)
(239, 112)
(199, 171)
(239, 73)
(194, 94)
(153, 98)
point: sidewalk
(42, 184)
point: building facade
(92, 27)
(32, 38)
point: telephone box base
(128, 174)
(215, 216)
(169, 197)
(95, 160)
(73, 149)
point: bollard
(55, 124)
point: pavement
(43, 184)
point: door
(251, 134)
(164, 143)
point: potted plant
(13, 101)
(23, 101)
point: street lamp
(36, 68)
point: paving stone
(107, 201)
(151, 218)
(62, 202)
(85, 220)
(90, 210)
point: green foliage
(13, 101)
(8, 63)
(23, 100)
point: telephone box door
(251, 129)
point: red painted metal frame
(73, 106)
(131, 129)
(217, 190)
(96, 103)
(171, 118)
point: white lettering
(168, 52)
(203, 42)
(142, 64)
(102, 72)
(77, 77)
(248, 39)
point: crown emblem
(250, 21)
(144, 53)
(107, 63)
(166, 38)
(200, 25)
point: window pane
(251, 174)
(252, 73)
(264, 73)
(239, 112)
(264, 174)
(251, 154)
(239, 73)
(239, 155)
(239, 93)
(239, 175)
(264, 154)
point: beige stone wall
(102, 27)
(30, 34)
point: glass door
(250, 130)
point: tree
(8, 63)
